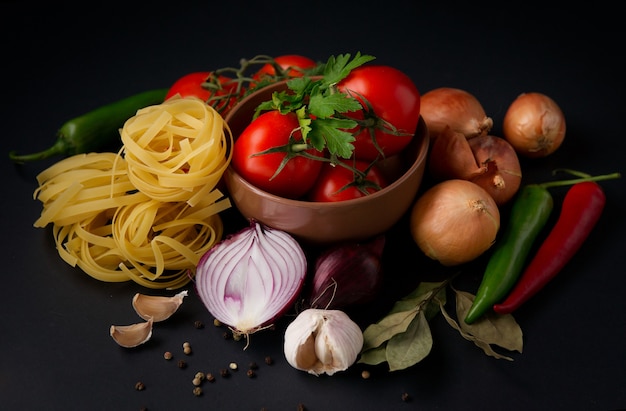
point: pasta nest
(149, 214)
(176, 150)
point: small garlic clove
(130, 336)
(157, 308)
(322, 341)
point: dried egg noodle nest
(116, 232)
(172, 150)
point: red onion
(347, 274)
(251, 278)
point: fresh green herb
(319, 105)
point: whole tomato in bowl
(337, 183)
(265, 155)
(391, 111)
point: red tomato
(337, 183)
(394, 99)
(191, 85)
(285, 62)
(270, 130)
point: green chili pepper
(96, 129)
(529, 214)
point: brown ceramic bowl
(324, 223)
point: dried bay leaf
(402, 338)
(374, 356)
(378, 333)
(492, 329)
(410, 347)
(423, 292)
(485, 347)
(464, 301)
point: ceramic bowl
(321, 222)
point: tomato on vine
(391, 109)
(270, 154)
(293, 64)
(338, 183)
(220, 93)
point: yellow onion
(455, 221)
(457, 108)
(451, 157)
(504, 171)
(489, 161)
(534, 125)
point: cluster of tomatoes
(387, 122)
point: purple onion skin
(347, 274)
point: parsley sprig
(319, 105)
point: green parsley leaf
(338, 68)
(327, 132)
(319, 105)
(322, 106)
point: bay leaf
(481, 344)
(491, 329)
(374, 356)
(422, 292)
(378, 333)
(412, 346)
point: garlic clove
(157, 308)
(130, 336)
(322, 341)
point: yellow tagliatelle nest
(176, 150)
(117, 227)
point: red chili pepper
(581, 209)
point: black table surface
(59, 62)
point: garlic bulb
(322, 341)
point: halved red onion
(251, 278)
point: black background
(60, 61)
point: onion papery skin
(504, 172)
(534, 124)
(451, 156)
(455, 221)
(252, 277)
(456, 108)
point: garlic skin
(130, 336)
(322, 341)
(157, 308)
